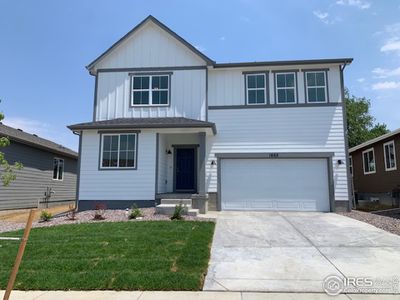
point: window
(316, 87)
(58, 169)
(150, 90)
(390, 156)
(285, 87)
(119, 150)
(256, 88)
(369, 161)
(351, 165)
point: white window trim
(58, 169)
(119, 137)
(351, 165)
(150, 90)
(317, 86)
(373, 155)
(256, 89)
(394, 152)
(285, 88)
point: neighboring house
(375, 169)
(47, 166)
(245, 136)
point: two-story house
(238, 136)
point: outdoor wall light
(168, 151)
(340, 162)
(213, 163)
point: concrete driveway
(296, 251)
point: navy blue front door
(185, 179)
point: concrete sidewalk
(137, 295)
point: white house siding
(150, 46)
(227, 86)
(297, 129)
(98, 184)
(188, 97)
(165, 161)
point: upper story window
(369, 161)
(285, 88)
(58, 169)
(316, 87)
(118, 151)
(389, 152)
(256, 89)
(150, 90)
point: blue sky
(46, 44)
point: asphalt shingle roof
(137, 123)
(34, 141)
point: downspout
(346, 141)
(78, 171)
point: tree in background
(361, 125)
(6, 170)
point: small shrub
(135, 212)
(178, 212)
(99, 212)
(45, 216)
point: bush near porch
(160, 255)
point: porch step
(193, 212)
(173, 196)
(177, 201)
(168, 209)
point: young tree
(6, 170)
(361, 125)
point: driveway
(295, 252)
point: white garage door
(275, 184)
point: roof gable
(164, 34)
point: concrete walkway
(112, 295)
(295, 252)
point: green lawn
(159, 255)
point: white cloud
(356, 3)
(361, 80)
(384, 73)
(386, 85)
(28, 125)
(325, 18)
(222, 38)
(320, 15)
(391, 45)
(59, 135)
(200, 48)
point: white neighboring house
(239, 136)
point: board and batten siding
(99, 185)
(188, 97)
(37, 174)
(294, 129)
(227, 86)
(150, 46)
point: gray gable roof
(137, 123)
(34, 141)
(162, 26)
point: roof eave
(340, 61)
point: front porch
(180, 171)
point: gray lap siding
(35, 177)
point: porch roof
(138, 123)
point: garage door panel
(275, 184)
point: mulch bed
(390, 221)
(87, 217)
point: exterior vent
(35, 135)
(20, 129)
